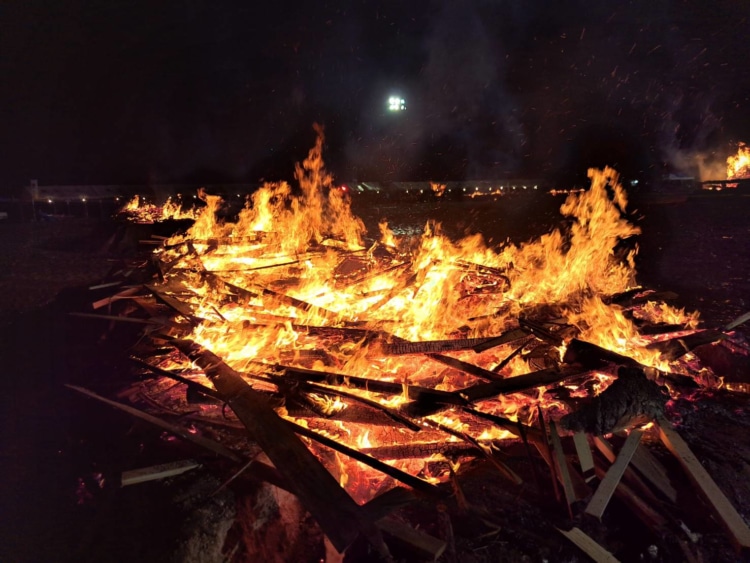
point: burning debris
(139, 210)
(357, 365)
(738, 165)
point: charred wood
(632, 396)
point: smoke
(464, 79)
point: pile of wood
(295, 405)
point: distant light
(49, 201)
(83, 199)
(476, 189)
(524, 187)
(396, 104)
(117, 199)
(464, 189)
(534, 187)
(502, 187)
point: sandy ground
(697, 248)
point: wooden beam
(562, 466)
(340, 518)
(154, 472)
(585, 459)
(589, 546)
(183, 433)
(653, 471)
(466, 367)
(430, 346)
(729, 517)
(519, 383)
(606, 489)
(425, 545)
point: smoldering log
(632, 396)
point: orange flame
(738, 165)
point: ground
(53, 457)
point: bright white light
(396, 104)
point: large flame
(738, 165)
(299, 254)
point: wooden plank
(466, 367)
(589, 546)
(183, 433)
(562, 466)
(585, 459)
(653, 471)
(606, 489)
(414, 482)
(339, 516)
(519, 383)
(430, 346)
(605, 448)
(124, 294)
(505, 338)
(425, 545)
(731, 519)
(678, 347)
(641, 508)
(413, 392)
(154, 472)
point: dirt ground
(54, 458)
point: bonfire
(395, 360)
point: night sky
(110, 91)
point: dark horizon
(133, 93)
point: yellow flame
(738, 165)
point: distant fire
(738, 165)
(141, 211)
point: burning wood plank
(519, 383)
(466, 367)
(413, 392)
(677, 347)
(732, 521)
(433, 346)
(336, 512)
(603, 494)
(585, 459)
(416, 450)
